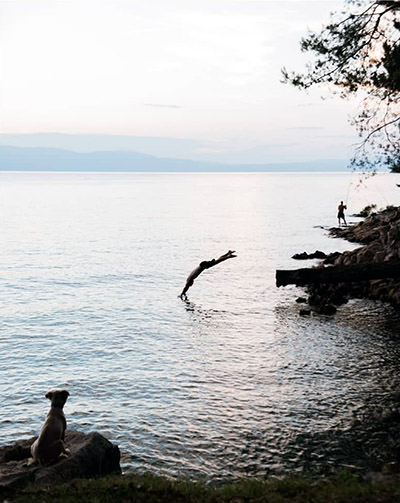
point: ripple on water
(230, 383)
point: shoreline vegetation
(146, 488)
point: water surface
(230, 382)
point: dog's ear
(49, 395)
(65, 393)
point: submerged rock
(91, 455)
(328, 309)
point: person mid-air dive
(206, 264)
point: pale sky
(204, 70)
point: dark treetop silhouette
(358, 52)
(206, 264)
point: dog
(49, 446)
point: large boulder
(91, 455)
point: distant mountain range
(56, 159)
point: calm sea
(226, 384)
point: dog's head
(58, 397)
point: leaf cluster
(358, 53)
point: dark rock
(301, 300)
(305, 312)
(330, 259)
(391, 415)
(90, 455)
(314, 300)
(319, 254)
(327, 309)
(305, 256)
(338, 299)
(300, 256)
(16, 452)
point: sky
(206, 72)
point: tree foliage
(358, 53)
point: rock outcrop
(307, 256)
(90, 455)
(380, 235)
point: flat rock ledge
(91, 455)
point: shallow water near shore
(231, 382)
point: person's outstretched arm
(225, 256)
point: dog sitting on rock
(49, 446)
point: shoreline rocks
(307, 256)
(91, 455)
(379, 235)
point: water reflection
(348, 375)
(200, 314)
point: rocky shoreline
(379, 235)
(91, 455)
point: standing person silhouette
(206, 264)
(340, 215)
